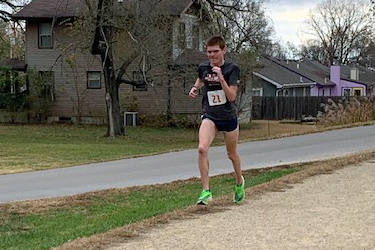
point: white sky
(288, 17)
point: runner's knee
(233, 156)
(203, 150)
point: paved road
(182, 165)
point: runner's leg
(207, 132)
(231, 141)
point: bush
(13, 102)
(347, 111)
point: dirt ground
(328, 211)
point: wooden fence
(288, 108)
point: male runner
(219, 80)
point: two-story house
(76, 81)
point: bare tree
(242, 22)
(340, 27)
(139, 31)
(312, 50)
(7, 7)
(136, 32)
(11, 34)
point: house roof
(311, 70)
(279, 75)
(50, 9)
(74, 8)
(14, 64)
(285, 72)
(366, 75)
(167, 7)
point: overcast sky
(288, 17)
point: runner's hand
(218, 72)
(193, 92)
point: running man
(219, 80)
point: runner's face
(216, 55)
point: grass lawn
(35, 147)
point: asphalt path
(173, 166)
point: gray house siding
(268, 89)
(68, 81)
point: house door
(358, 91)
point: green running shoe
(204, 198)
(239, 195)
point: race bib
(216, 97)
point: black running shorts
(224, 125)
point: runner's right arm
(194, 90)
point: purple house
(342, 86)
(273, 77)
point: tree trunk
(103, 44)
(169, 101)
(115, 127)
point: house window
(181, 36)
(257, 92)
(139, 80)
(358, 91)
(94, 80)
(347, 92)
(46, 83)
(45, 36)
(195, 37)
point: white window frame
(260, 90)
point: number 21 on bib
(216, 97)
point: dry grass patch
(263, 129)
